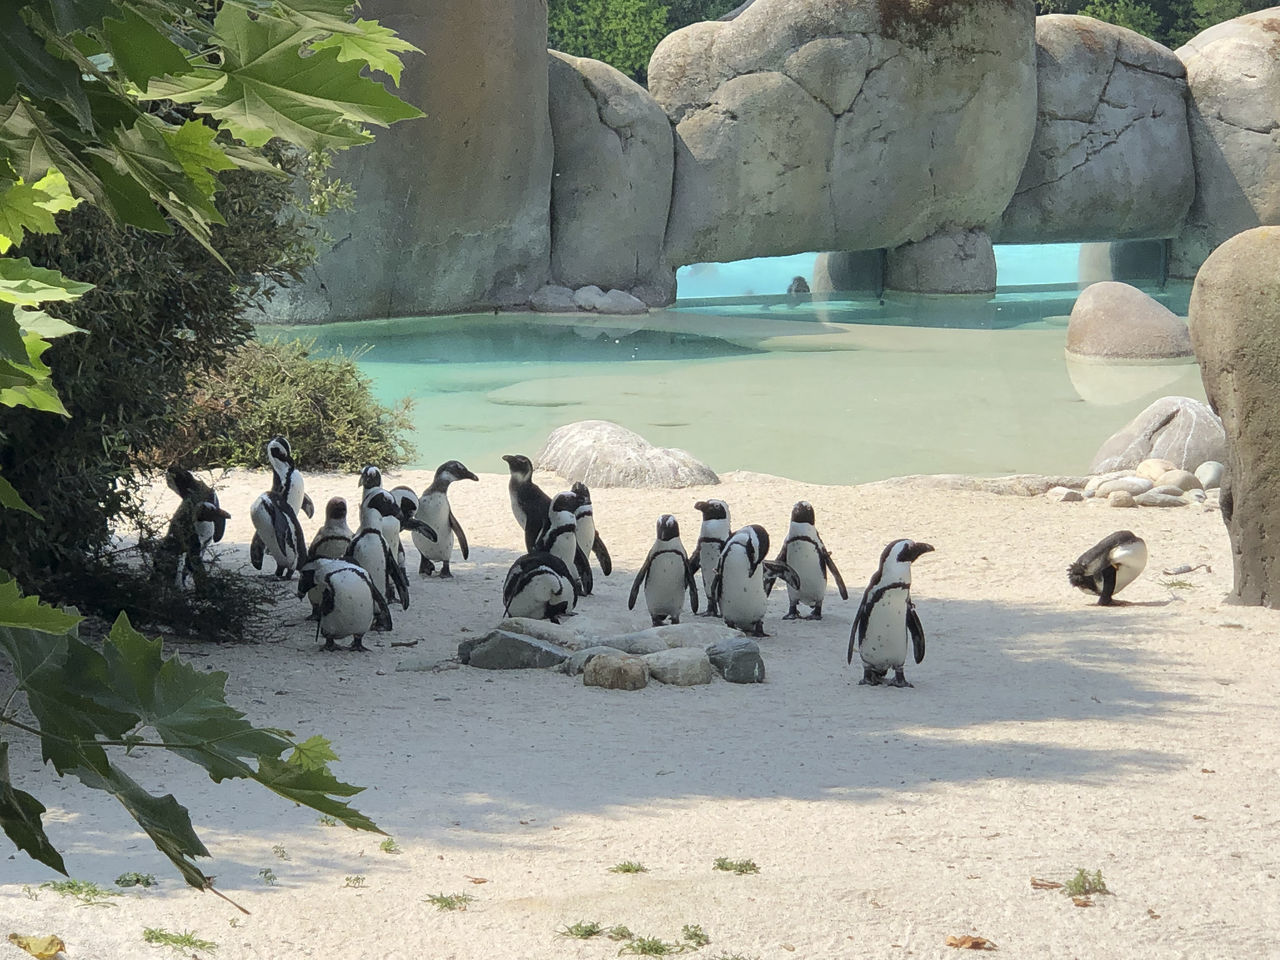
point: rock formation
(1114, 321)
(603, 454)
(1179, 429)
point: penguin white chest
(664, 587)
(586, 532)
(370, 551)
(352, 613)
(433, 510)
(802, 557)
(543, 589)
(742, 599)
(885, 642)
(285, 554)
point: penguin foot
(816, 614)
(657, 621)
(756, 629)
(444, 571)
(357, 644)
(899, 680)
(328, 645)
(870, 678)
(791, 614)
(426, 568)
(313, 616)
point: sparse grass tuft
(280, 851)
(451, 901)
(86, 891)
(389, 846)
(1177, 584)
(736, 866)
(582, 930)
(619, 932)
(355, 881)
(132, 879)
(628, 866)
(186, 940)
(650, 947)
(695, 935)
(268, 876)
(1085, 884)
(328, 821)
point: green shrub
(323, 404)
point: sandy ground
(1044, 734)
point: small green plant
(356, 881)
(328, 821)
(86, 891)
(582, 930)
(695, 935)
(184, 940)
(280, 851)
(1085, 884)
(29, 892)
(619, 932)
(132, 879)
(1177, 584)
(736, 866)
(389, 846)
(628, 866)
(268, 876)
(651, 947)
(450, 901)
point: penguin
(333, 538)
(407, 501)
(199, 522)
(277, 532)
(401, 514)
(666, 574)
(434, 510)
(738, 586)
(706, 552)
(528, 502)
(560, 538)
(805, 553)
(369, 549)
(288, 480)
(539, 585)
(588, 537)
(349, 604)
(1109, 566)
(886, 622)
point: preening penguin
(666, 575)
(588, 537)
(369, 549)
(277, 532)
(560, 538)
(528, 502)
(738, 587)
(887, 622)
(1109, 566)
(288, 480)
(435, 512)
(347, 601)
(805, 553)
(334, 537)
(198, 522)
(540, 586)
(711, 538)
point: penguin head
(380, 503)
(897, 557)
(712, 509)
(521, 466)
(760, 536)
(306, 578)
(370, 477)
(582, 493)
(279, 451)
(180, 480)
(668, 528)
(802, 512)
(453, 470)
(209, 511)
(566, 502)
(335, 510)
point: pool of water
(835, 392)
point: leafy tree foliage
(1171, 22)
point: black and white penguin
(528, 502)
(407, 501)
(287, 478)
(738, 587)
(1109, 566)
(539, 586)
(711, 539)
(666, 574)
(277, 532)
(560, 539)
(588, 537)
(886, 623)
(347, 601)
(197, 524)
(805, 553)
(370, 550)
(334, 536)
(400, 516)
(435, 512)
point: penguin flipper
(695, 561)
(859, 628)
(777, 570)
(456, 527)
(381, 610)
(417, 526)
(395, 573)
(220, 521)
(692, 583)
(640, 578)
(829, 564)
(299, 538)
(916, 629)
(584, 570)
(602, 554)
(308, 506)
(256, 548)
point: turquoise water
(836, 392)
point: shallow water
(840, 392)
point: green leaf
(29, 207)
(313, 753)
(10, 499)
(139, 50)
(373, 44)
(314, 788)
(26, 64)
(27, 285)
(43, 325)
(30, 385)
(20, 819)
(72, 16)
(34, 144)
(193, 145)
(29, 613)
(12, 347)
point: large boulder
(680, 667)
(613, 162)
(1233, 72)
(453, 208)
(1235, 326)
(502, 650)
(1178, 429)
(808, 124)
(1114, 321)
(954, 261)
(843, 271)
(601, 453)
(1111, 157)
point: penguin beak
(469, 476)
(916, 551)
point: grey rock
(737, 659)
(1233, 74)
(1111, 158)
(954, 261)
(1153, 499)
(1064, 495)
(423, 662)
(621, 303)
(557, 633)
(1115, 321)
(1168, 490)
(1094, 482)
(807, 124)
(613, 165)
(680, 667)
(600, 453)
(1121, 498)
(1210, 474)
(589, 297)
(860, 271)
(500, 650)
(1184, 480)
(1128, 261)
(616, 673)
(693, 633)
(1235, 326)
(1130, 485)
(577, 661)
(639, 643)
(1153, 468)
(1181, 430)
(551, 298)
(1198, 496)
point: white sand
(1044, 734)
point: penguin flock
(352, 577)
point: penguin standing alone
(886, 622)
(435, 512)
(540, 586)
(665, 575)
(528, 502)
(805, 553)
(560, 539)
(277, 532)
(348, 603)
(1109, 566)
(711, 539)
(197, 523)
(588, 537)
(738, 587)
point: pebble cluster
(1152, 483)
